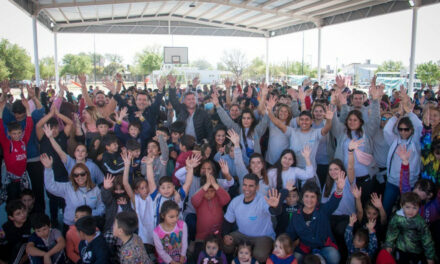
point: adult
(354, 127)
(18, 114)
(405, 139)
(250, 132)
(257, 166)
(79, 191)
(357, 101)
(143, 109)
(80, 156)
(198, 122)
(311, 224)
(105, 109)
(251, 212)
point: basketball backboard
(175, 55)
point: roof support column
(36, 61)
(319, 54)
(267, 60)
(413, 46)
(55, 58)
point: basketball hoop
(175, 59)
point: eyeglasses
(406, 129)
(82, 174)
(384, 118)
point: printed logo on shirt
(93, 198)
(21, 156)
(86, 255)
(253, 218)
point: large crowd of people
(237, 173)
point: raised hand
(306, 151)
(148, 160)
(353, 219)
(82, 79)
(329, 113)
(172, 79)
(357, 192)
(227, 82)
(118, 77)
(235, 93)
(46, 161)
(25, 103)
(404, 154)
(340, 82)
(370, 225)
(160, 82)
(233, 137)
(108, 181)
(126, 157)
(293, 93)
(109, 85)
(342, 97)
(47, 131)
(5, 86)
(224, 167)
(355, 144)
(214, 97)
(195, 82)
(376, 200)
(340, 182)
(272, 198)
(270, 104)
(30, 91)
(193, 161)
(122, 114)
(290, 185)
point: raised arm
(329, 114)
(164, 151)
(127, 162)
(191, 163)
(82, 79)
(278, 123)
(48, 131)
(224, 117)
(240, 168)
(39, 126)
(148, 160)
(56, 188)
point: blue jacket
(95, 252)
(32, 146)
(318, 233)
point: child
(171, 235)
(92, 247)
(27, 197)
(16, 232)
(283, 251)
(72, 236)
(288, 208)
(134, 149)
(159, 151)
(244, 254)
(359, 258)
(429, 209)
(177, 130)
(140, 132)
(362, 241)
(140, 203)
(15, 155)
(111, 159)
(132, 250)
(97, 144)
(165, 191)
(408, 232)
(186, 146)
(212, 253)
(45, 244)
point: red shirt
(14, 152)
(209, 212)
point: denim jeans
(330, 254)
(390, 196)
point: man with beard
(104, 108)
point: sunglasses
(82, 174)
(406, 129)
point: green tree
(16, 60)
(256, 69)
(4, 72)
(235, 61)
(390, 66)
(76, 64)
(47, 68)
(110, 57)
(112, 68)
(147, 61)
(428, 72)
(202, 64)
(221, 67)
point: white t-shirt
(292, 174)
(253, 219)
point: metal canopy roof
(247, 18)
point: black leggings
(36, 174)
